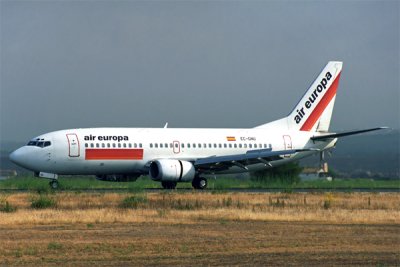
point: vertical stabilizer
(314, 111)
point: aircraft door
(287, 144)
(176, 146)
(73, 145)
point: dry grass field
(201, 228)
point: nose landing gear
(53, 184)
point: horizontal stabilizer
(336, 135)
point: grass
(133, 202)
(43, 202)
(190, 207)
(221, 183)
(5, 206)
(205, 228)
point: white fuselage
(102, 151)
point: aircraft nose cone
(15, 157)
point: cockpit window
(39, 143)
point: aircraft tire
(168, 185)
(53, 184)
(199, 183)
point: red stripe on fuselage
(113, 154)
(323, 103)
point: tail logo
(301, 112)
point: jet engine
(172, 170)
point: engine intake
(172, 170)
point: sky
(197, 64)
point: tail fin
(314, 110)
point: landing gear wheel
(53, 184)
(199, 183)
(168, 185)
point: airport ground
(200, 228)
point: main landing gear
(53, 184)
(199, 183)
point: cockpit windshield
(39, 143)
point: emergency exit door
(287, 144)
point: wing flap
(265, 156)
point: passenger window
(183, 145)
(270, 145)
(130, 145)
(265, 146)
(124, 145)
(161, 146)
(91, 145)
(230, 145)
(194, 145)
(245, 145)
(209, 145)
(176, 145)
(108, 145)
(205, 145)
(255, 145)
(235, 145)
(225, 145)
(188, 145)
(219, 145)
(135, 145)
(113, 144)
(103, 145)
(119, 145)
(166, 145)
(199, 145)
(140, 145)
(240, 145)
(151, 145)
(215, 145)
(86, 145)
(250, 146)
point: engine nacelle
(118, 177)
(172, 170)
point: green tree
(286, 174)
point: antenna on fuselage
(166, 125)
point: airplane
(174, 155)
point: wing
(265, 156)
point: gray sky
(67, 64)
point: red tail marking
(323, 103)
